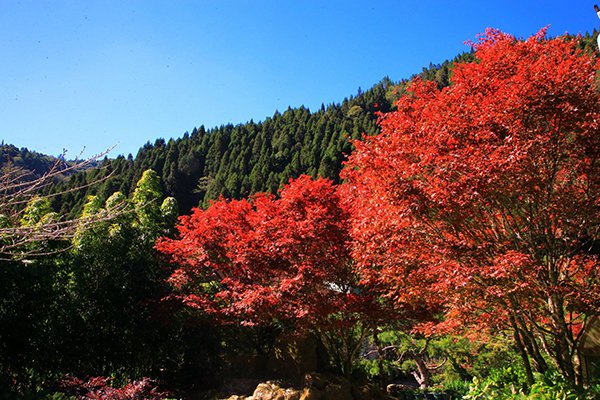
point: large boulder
(317, 386)
(292, 394)
(272, 390)
(266, 391)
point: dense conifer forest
(236, 161)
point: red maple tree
(270, 259)
(484, 195)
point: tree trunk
(522, 352)
(422, 374)
(531, 345)
(562, 340)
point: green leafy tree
(146, 203)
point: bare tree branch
(19, 186)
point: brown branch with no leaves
(19, 186)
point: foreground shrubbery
(99, 388)
(509, 383)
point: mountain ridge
(236, 161)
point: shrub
(503, 384)
(98, 388)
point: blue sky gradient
(92, 74)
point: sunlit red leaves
(480, 192)
(99, 388)
(268, 258)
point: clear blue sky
(91, 74)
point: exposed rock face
(395, 388)
(315, 387)
(272, 391)
(266, 391)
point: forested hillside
(32, 165)
(238, 160)
(31, 161)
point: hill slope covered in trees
(236, 161)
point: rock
(395, 388)
(278, 394)
(292, 394)
(267, 391)
(311, 393)
(272, 391)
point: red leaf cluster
(269, 258)
(480, 197)
(99, 388)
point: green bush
(504, 384)
(456, 387)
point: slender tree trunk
(422, 375)
(522, 352)
(562, 339)
(531, 345)
(578, 378)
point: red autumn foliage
(484, 196)
(97, 388)
(268, 259)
